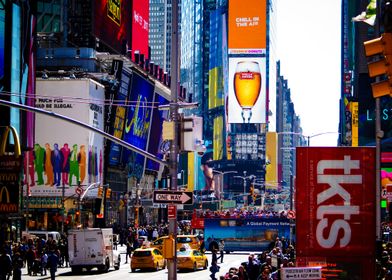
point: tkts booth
(335, 206)
(10, 174)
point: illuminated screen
(155, 141)
(247, 90)
(118, 126)
(2, 34)
(137, 124)
(247, 24)
(112, 22)
(140, 21)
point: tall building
(159, 37)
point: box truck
(92, 248)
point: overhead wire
(113, 102)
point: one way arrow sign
(175, 197)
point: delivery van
(92, 248)
(47, 235)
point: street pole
(173, 166)
(62, 207)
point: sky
(308, 39)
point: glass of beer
(247, 84)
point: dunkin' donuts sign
(335, 203)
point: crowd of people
(242, 213)
(264, 266)
(39, 256)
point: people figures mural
(39, 155)
(73, 165)
(48, 165)
(28, 168)
(92, 164)
(57, 161)
(65, 151)
(82, 163)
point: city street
(230, 260)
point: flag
(368, 16)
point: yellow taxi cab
(191, 259)
(147, 258)
(192, 240)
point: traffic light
(252, 190)
(382, 47)
(100, 192)
(108, 193)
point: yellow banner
(271, 176)
(191, 172)
(218, 138)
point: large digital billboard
(247, 90)
(247, 26)
(155, 141)
(137, 123)
(335, 205)
(119, 119)
(140, 22)
(112, 21)
(64, 153)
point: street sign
(176, 197)
(303, 273)
(79, 190)
(172, 212)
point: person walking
(53, 261)
(221, 249)
(5, 264)
(214, 268)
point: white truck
(92, 247)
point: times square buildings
(63, 56)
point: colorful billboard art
(247, 26)
(65, 154)
(112, 19)
(335, 204)
(156, 140)
(247, 90)
(137, 124)
(140, 22)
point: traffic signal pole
(173, 165)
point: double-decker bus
(244, 233)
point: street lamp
(221, 183)
(250, 177)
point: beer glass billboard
(247, 90)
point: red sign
(140, 22)
(335, 202)
(172, 211)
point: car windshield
(142, 253)
(184, 239)
(183, 253)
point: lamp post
(251, 177)
(221, 184)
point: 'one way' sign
(176, 197)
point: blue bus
(246, 234)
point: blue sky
(309, 51)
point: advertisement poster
(335, 204)
(247, 26)
(247, 90)
(64, 153)
(140, 22)
(137, 124)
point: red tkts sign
(335, 202)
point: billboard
(119, 119)
(140, 22)
(155, 141)
(64, 153)
(247, 90)
(137, 123)
(112, 21)
(247, 26)
(335, 204)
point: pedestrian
(129, 251)
(17, 264)
(53, 261)
(5, 264)
(214, 268)
(221, 249)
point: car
(147, 258)
(192, 240)
(191, 259)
